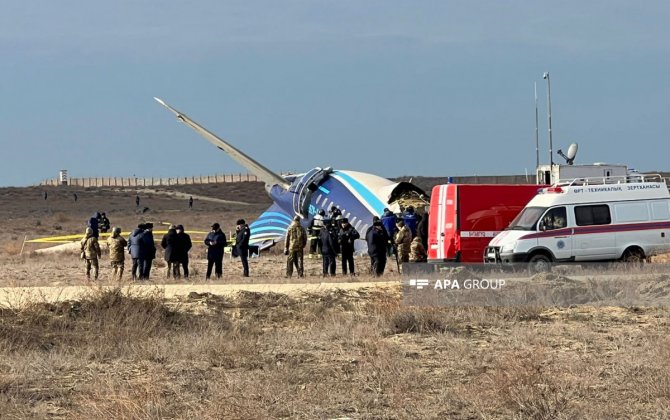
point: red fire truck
(464, 218)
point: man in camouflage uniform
(417, 253)
(90, 252)
(296, 239)
(403, 239)
(117, 247)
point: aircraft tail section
(266, 175)
(270, 227)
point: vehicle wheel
(539, 263)
(633, 256)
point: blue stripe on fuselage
(364, 192)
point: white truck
(588, 219)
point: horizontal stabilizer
(270, 227)
(264, 174)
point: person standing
(329, 247)
(411, 219)
(403, 240)
(90, 252)
(315, 227)
(104, 223)
(389, 220)
(422, 228)
(348, 234)
(46, 195)
(190, 202)
(93, 224)
(134, 249)
(183, 246)
(117, 246)
(169, 244)
(215, 242)
(242, 235)
(295, 242)
(147, 251)
(137, 200)
(75, 197)
(377, 240)
(417, 253)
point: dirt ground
(216, 350)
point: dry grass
(358, 354)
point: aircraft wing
(270, 227)
(263, 173)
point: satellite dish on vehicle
(572, 153)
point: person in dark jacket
(389, 220)
(422, 229)
(242, 235)
(329, 247)
(147, 251)
(104, 224)
(377, 240)
(170, 244)
(215, 242)
(347, 235)
(411, 219)
(184, 245)
(134, 250)
(93, 224)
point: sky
(434, 88)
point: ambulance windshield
(527, 219)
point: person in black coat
(329, 247)
(147, 251)
(422, 229)
(93, 224)
(170, 244)
(243, 233)
(347, 236)
(377, 240)
(216, 242)
(184, 245)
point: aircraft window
(365, 228)
(325, 203)
(319, 198)
(353, 220)
(554, 219)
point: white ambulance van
(587, 219)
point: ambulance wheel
(539, 263)
(633, 256)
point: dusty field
(217, 351)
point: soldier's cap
(375, 219)
(180, 227)
(215, 226)
(173, 226)
(149, 225)
(296, 219)
(241, 222)
(377, 223)
(141, 226)
(89, 231)
(117, 230)
(322, 212)
(344, 220)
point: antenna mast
(551, 152)
(537, 135)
